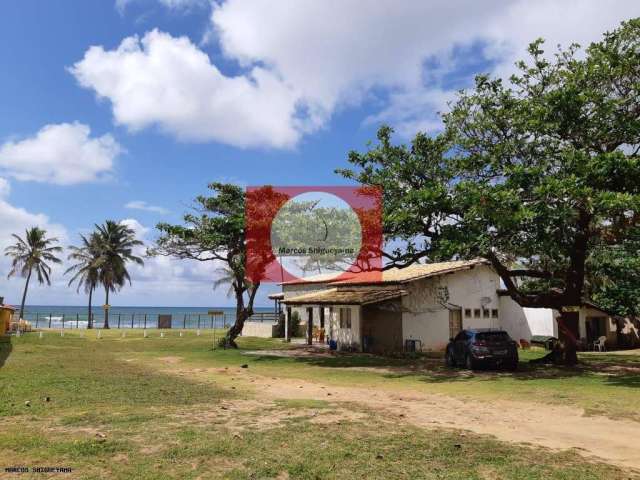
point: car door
(459, 343)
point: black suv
(479, 346)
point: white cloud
(333, 52)
(5, 188)
(16, 220)
(144, 206)
(304, 60)
(63, 154)
(166, 81)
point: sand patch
(170, 360)
(555, 427)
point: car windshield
(493, 337)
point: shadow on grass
(5, 349)
(613, 370)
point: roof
(8, 307)
(341, 296)
(394, 275)
(276, 296)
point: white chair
(600, 344)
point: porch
(356, 319)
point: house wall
(426, 318)
(345, 337)
(382, 325)
(259, 329)
(609, 323)
(523, 323)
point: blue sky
(253, 92)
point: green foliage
(294, 325)
(615, 282)
(32, 254)
(536, 176)
(115, 243)
(215, 231)
(86, 269)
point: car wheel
(469, 362)
(512, 366)
(449, 359)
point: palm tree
(32, 253)
(116, 244)
(226, 278)
(86, 270)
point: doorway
(455, 322)
(595, 327)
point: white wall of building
(348, 337)
(426, 318)
(523, 323)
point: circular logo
(316, 233)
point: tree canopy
(215, 232)
(538, 175)
(32, 253)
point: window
(467, 312)
(494, 313)
(485, 313)
(345, 317)
(476, 313)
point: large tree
(538, 175)
(116, 243)
(215, 232)
(33, 253)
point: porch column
(286, 325)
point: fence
(140, 320)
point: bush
(294, 325)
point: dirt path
(550, 426)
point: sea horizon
(74, 316)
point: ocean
(48, 316)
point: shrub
(294, 325)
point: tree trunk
(569, 337)
(106, 310)
(236, 329)
(24, 295)
(242, 313)
(89, 319)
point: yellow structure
(6, 313)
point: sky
(127, 109)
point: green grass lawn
(115, 410)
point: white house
(422, 306)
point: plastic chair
(600, 344)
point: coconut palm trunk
(24, 295)
(106, 310)
(90, 318)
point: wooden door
(455, 322)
